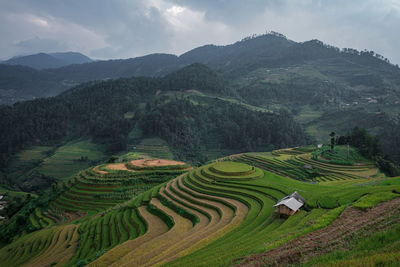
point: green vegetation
(94, 191)
(212, 215)
(34, 169)
(338, 155)
(380, 248)
(69, 159)
(154, 147)
(227, 167)
(370, 201)
(221, 211)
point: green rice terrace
(155, 212)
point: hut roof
(297, 197)
(293, 201)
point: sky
(106, 29)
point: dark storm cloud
(126, 28)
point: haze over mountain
(48, 61)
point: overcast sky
(104, 29)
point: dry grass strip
(199, 236)
(156, 228)
(61, 249)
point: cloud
(37, 44)
(124, 28)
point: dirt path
(156, 228)
(336, 236)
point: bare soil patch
(117, 167)
(351, 222)
(155, 163)
(96, 169)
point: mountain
(19, 83)
(350, 72)
(186, 108)
(48, 61)
(324, 87)
(70, 58)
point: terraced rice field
(299, 165)
(41, 220)
(154, 147)
(106, 186)
(214, 215)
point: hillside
(183, 108)
(48, 61)
(216, 214)
(326, 89)
(359, 74)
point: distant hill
(71, 57)
(346, 68)
(48, 61)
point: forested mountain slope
(174, 108)
(272, 51)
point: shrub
(81, 263)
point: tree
(332, 135)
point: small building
(290, 204)
(307, 166)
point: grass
(338, 155)
(26, 160)
(236, 197)
(13, 193)
(26, 248)
(378, 249)
(65, 162)
(154, 147)
(370, 201)
(307, 114)
(232, 167)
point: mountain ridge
(237, 59)
(42, 60)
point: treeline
(188, 127)
(97, 110)
(94, 110)
(376, 148)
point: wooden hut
(290, 204)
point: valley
(167, 160)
